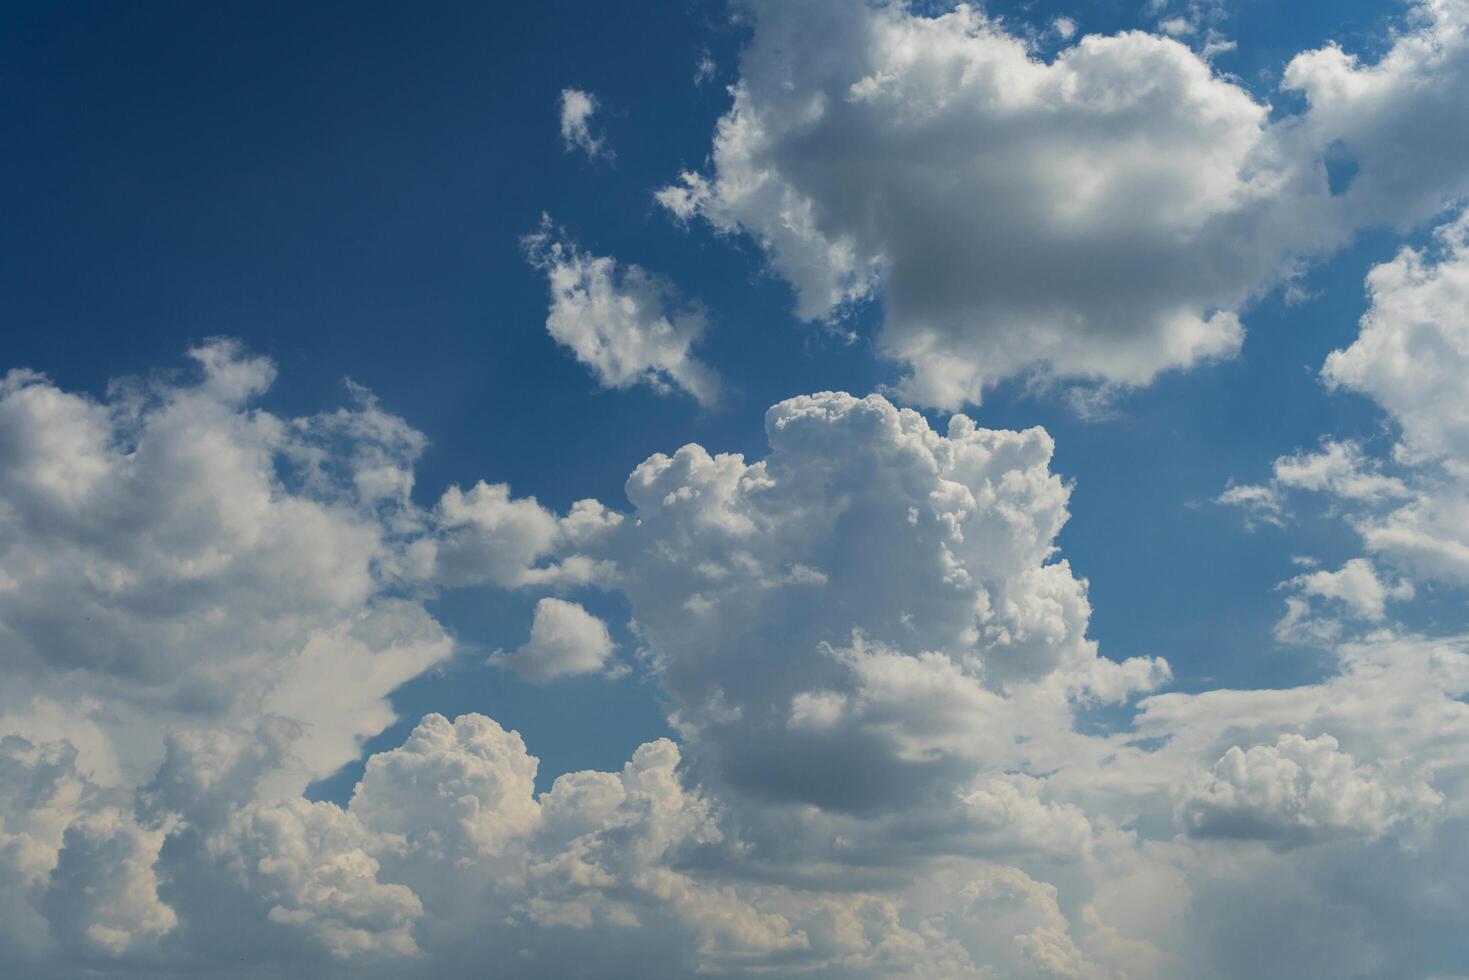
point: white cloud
(1260, 503)
(1402, 121)
(1356, 585)
(565, 640)
(1104, 215)
(1294, 791)
(454, 790)
(174, 554)
(931, 640)
(309, 865)
(995, 198)
(876, 662)
(625, 324)
(1411, 357)
(577, 109)
(1340, 469)
(1412, 354)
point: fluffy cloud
(577, 109)
(1293, 791)
(969, 627)
(625, 324)
(860, 633)
(1104, 215)
(460, 789)
(1412, 354)
(1411, 357)
(876, 663)
(565, 640)
(1410, 99)
(172, 555)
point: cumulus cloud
(625, 324)
(875, 660)
(1104, 215)
(174, 554)
(577, 109)
(861, 631)
(1411, 357)
(1412, 354)
(1294, 791)
(1411, 97)
(565, 640)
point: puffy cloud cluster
(1104, 215)
(488, 536)
(874, 658)
(627, 325)
(869, 617)
(172, 556)
(1412, 354)
(1291, 791)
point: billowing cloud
(1412, 354)
(876, 663)
(873, 597)
(172, 556)
(1294, 790)
(625, 324)
(1399, 125)
(1104, 215)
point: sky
(816, 488)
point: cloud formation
(577, 109)
(877, 666)
(565, 640)
(1104, 215)
(875, 659)
(627, 325)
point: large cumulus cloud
(1102, 215)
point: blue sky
(344, 189)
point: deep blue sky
(343, 187)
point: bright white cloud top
(870, 648)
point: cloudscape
(735, 488)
